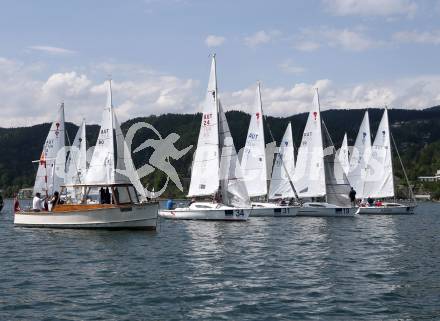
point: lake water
(363, 268)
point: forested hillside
(416, 132)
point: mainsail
(309, 176)
(232, 184)
(360, 157)
(206, 163)
(51, 166)
(102, 165)
(343, 155)
(280, 185)
(337, 186)
(379, 181)
(125, 169)
(253, 160)
(77, 160)
(111, 162)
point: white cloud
(214, 41)
(307, 45)
(371, 7)
(427, 37)
(289, 67)
(52, 50)
(65, 85)
(261, 37)
(351, 40)
(25, 99)
(410, 93)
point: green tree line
(416, 133)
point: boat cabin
(100, 194)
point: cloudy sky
(359, 53)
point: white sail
(337, 187)
(51, 167)
(206, 163)
(232, 183)
(359, 158)
(379, 181)
(125, 170)
(111, 162)
(343, 155)
(77, 160)
(309, 177)
(280, 185)
(102, 165)
(253, 161)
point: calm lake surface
(363, 268)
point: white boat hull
(325, 210)
(273, 210)
(396, 209)
(139, 216)
(207, 212)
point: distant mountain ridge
(417, 134)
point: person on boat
(55, 200)
(108, 198)
(37, 203)
(170, 204)
(17, 207)
(217, 197)
(102, 195)
(352, 196)
(370, 201)
(193, 200)
(378, 203)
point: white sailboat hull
(139, 216)
(207, 212)
(325, 210)
(260, 209)
(387, 209)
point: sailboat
(254, 165)
(216, 171)
(360, 157)
(112, 168)
(76, 164)
(51, 165)
(379, 181)
(343, 155)
(318, 172)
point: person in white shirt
(37, 203)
